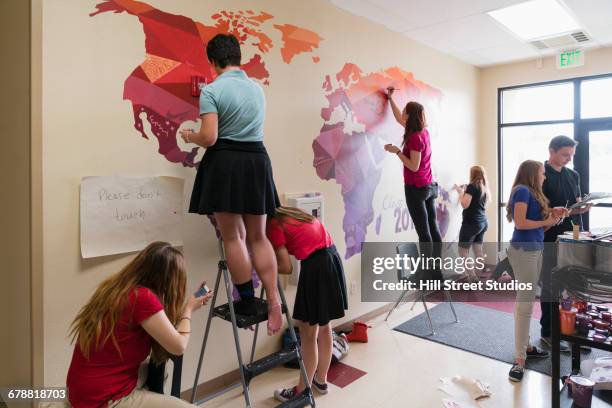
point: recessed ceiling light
(536, 19)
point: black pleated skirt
(321, 292)
(234, 177)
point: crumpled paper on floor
(448, 403)
(464, 390)
(455, 403)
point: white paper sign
(125, 214)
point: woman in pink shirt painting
(420, 189)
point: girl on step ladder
(234, 181)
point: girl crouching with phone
(139, 311)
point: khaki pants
(526, 266)
(140, 398)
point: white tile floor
(404, 371)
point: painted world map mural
(160, 87)
(356, 121)
(349, 148)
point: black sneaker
(516, 373)
(321, 388)
(564, 347)
(534, 352)
(285, 394)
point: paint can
(568, 321)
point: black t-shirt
(561, 188)
(475, 213)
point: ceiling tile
(374, 13)
(473, 58)
(463, 29)
(468, 33)
(434, 36)
(591, 13)
(425, 13)
(508, 52)
(601, 35)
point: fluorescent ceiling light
(535, 19)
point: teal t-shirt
(240, 105)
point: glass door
(594, 163)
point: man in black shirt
(562, 188)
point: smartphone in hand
(202, 291)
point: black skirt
(234, 177)
(321, 292)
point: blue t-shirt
(240, 105)
(531, 239)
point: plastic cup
(576, 232)
(582, 390)
(568, 321)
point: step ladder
(253, 368)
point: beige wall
(598, 61)
(15, 311)
(36, 181)
(87, 130)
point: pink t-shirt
(419, 142)
(300, 238)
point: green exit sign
(570, 59)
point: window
(538, 103)
(595, 101)
(520, 143)
(530, 115)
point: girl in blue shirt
(528, 209)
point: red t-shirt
(300, 238)
(107, 375)
(419, 142)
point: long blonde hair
(160, 268)
(478, 177)
(284, 212)
(528, 175)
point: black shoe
(285, 394)
(534, 352)
(320, 387)
(563, 346)
(516, 373)
(246, 307)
